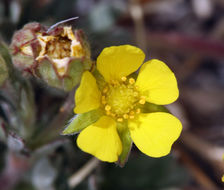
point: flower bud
(58, 56)
(25, 46)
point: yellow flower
(122, 101)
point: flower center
(121, 100)
(60, 48)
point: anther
(104, 102)
(142, 100)
(125, 116)
(105, 90)
(108, 113)
(114, 82)
(113, 114)
(131, 81)
(132, 112)
(135, 94)
(120, 119)
(103, 98)
(107, 108)
(131, 116)
(138, 110)
(123, 79)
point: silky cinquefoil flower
(58, 56)
(117, 103)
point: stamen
(131, 116)
(125, 116)
(114, 83)
(131, 81)
(120, 119)
(105, 90)
(103, 97)
(142, 100)
(132, 112)
(135, 94)
(138, 110)
(107, 108)
(136, 87)
(113, 114)
(123, 79)
(121, 100)
(103, 100)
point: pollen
(132, 112)
(142, 100)
(135, 94)
(107, 108)
(131, 81)
(125, 116)
(121, 100)
(105, 90)
(120, 119)
(108, 112)
(103, 100)
(123, 79)
(138, 110)
(132, 117)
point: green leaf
(3, 70)
(81, 121)
(126, 143)
(150, 108)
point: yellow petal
(101, 140)
(87, 96)
(155, 133)
(157, 82)
(118, 61)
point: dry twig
(81, 174)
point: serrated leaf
(82, 121)
(150, 108)
(126, 143)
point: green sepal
(99, 79)
(22, 61)
(48, 74)
(74, 74)
(126, 140)
(150, 108)
(81, 121)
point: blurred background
(188, 35)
